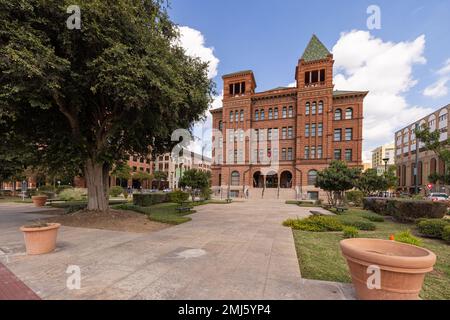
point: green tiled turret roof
(315, 50)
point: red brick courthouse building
(272, 144)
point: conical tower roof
(315, 50)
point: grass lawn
(164, 212)
(320, 257)
(14, 200)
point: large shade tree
(89, 97)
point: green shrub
(432, 228)
(147, 200)
(115, 191)
(407, 237)
(355, 196)
(372, 217)
(446, 233)
(178, 196)
(206, 194)
(76, 194)
(406, 210)
(315, 224)
(357, 222)
(350, 232)
(59, 189)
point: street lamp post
(386, 160)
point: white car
(438, 197)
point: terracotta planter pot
(40, 240)
(402, 268)
(39, 201)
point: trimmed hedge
(446, 233)
(314, 224)
(433, 228)
(350, 232)
(149, 199)
(357, 222)
(406, 210)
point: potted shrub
(40, 238)
(402, 268)
(39, 200)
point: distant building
(367, 166)
(428, 162)
(379, 154)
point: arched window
(312, 177)
(242, 115)
(275, 113)
(235, 178)
(314, 108)
(262, 114)
(231, 116)
(256, 115)
(320, 107)
(307, 107)
(349, 114)
(284, 112)
(270, 114)
(291, 112)
(237, 116)
(338, 114)
(220, 125)
(433, 166)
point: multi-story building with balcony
(427, 162)
(271, 144)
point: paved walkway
(236, 251)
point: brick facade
(305, 118)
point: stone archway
(258, 180)
(272, 180)
(286, 180)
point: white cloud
(385, 69)
(193, 42)
(439, 88)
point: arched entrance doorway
(272, 180)
(286, 180)
(258, 180)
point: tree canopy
(88, 98)
(336, 179)
(196, 180)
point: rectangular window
(313, 152)
(348, 134)
(290, 132)
(231, 116)
(275, 133)
(284, 114)
(307, 77)
(315, 76)
(313, 130)
(270, 114)
(291, 112)
(319, 152)
(307, 130)
(269, 134)
(320, 107)
(306, 152)
(262, 115)
(275, 113)
(337, 154)
(337, 134)
(289, 155)
(313, 108)
(283, 154)
(348, 155)
(283, 133)
(307, 107)
(322, 75)
(320, 129)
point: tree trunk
(97, 182)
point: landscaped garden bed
(320, 256)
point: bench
(228, 200)
(184, 207)
(341, 209)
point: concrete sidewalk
(235, 251)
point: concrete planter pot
(39, 201)
(402, 268)
(40, 239)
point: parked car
(438, 197)
(167, 190)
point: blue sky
(269, 37)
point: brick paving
(11, 288)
